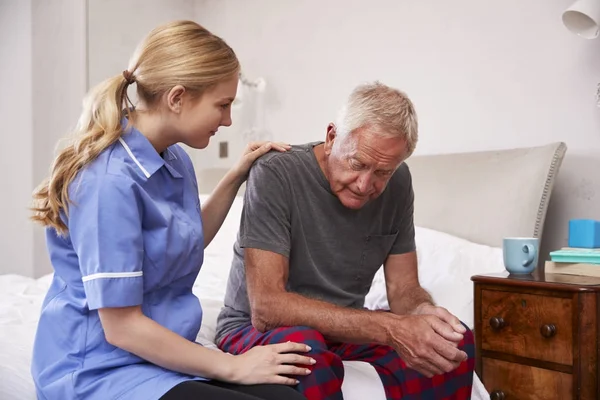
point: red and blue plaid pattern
(325, 381)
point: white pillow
(446, 264)
(219, 253)
(211, 282)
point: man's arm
(404, 292)
(406, 296)
(272, 306)
(418, 339)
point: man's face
(360, 164)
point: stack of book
(582, 257)
(574, 261)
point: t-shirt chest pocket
(375, 250)
(371, 253)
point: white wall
(480, 74)
(16, 234)
(116, 27)
(42, 75)
(483, 75)
(59, 83)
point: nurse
(126, 233)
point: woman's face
(200, 118)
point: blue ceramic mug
(520, 254)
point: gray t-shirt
(333, 251)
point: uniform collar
(143, 153)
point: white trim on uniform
(171, 154)
(104, 275)
(133, 157)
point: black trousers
(196, 390)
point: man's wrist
(422, 306)
(382, 321)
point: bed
(465, 204)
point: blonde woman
(126, 234)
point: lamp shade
(583, 18)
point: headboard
(486, 196)
(479, 196)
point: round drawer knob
(497, 395)
(548, 330)
(497, 323)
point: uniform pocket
(174, 249)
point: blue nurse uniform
(134, 238)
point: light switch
(223, 149)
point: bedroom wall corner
(59, 76)
(56, 50)
(16, 235)
(43, 83)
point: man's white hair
(385, 110)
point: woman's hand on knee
(274, 363)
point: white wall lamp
(250, 105)
(258, 85)
(583, 18)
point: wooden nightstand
(537, 337)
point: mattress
(20, 302)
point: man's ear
(175, 98)
(330, 138)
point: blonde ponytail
(177, 53)
(99, 127)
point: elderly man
(318, 222)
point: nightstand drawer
(505, 381)
(526, 325)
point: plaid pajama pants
(325, 381)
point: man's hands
(427, 343)
(453, 330)
(425, 336)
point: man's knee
(468, 342)
(313, 338)
(468, 336)
(300, 334)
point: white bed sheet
(20, 301)
(21, 298)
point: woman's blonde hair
(177, 53)
(389, 111)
